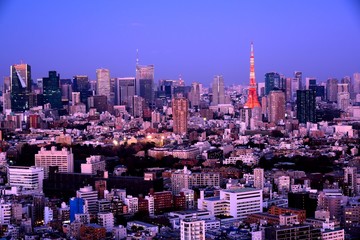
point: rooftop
(239, 190)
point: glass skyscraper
(274, 81)
(20, 85)
(103, 86)
(52, 91)
(125, 91)
(306, 106)
(145, 83)
(81, 84)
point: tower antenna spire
(252, 100)
(137, 57)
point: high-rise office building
(125, 91)
(81, 84)
(261, 89)
(100, 103)
(273, 81)
(192, 229)
(63, 159)
(306, 105)
(138, 104)
(75, 98)
(276, 106)
(20, 87)
(145, 83)
(309, 81)
(295, 85)
(51, 90)
(66, 90)
(103, 85)
(194, 95)
(252, 100)
(343, 96)
(7, 95)
(347, 80)
(180, 109)
(356, 83)
(331, 89)
(288, 89)
(350, 176)
(298, 76)
(218, 90)
(7, 84)
(259, 178)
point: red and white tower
(252, 100)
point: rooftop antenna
(137, 57)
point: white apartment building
(214, 205)
(235, 202)
(92, 165)
(48, 215)
(189, 198)
(180, 180)
(119, 232)
(242, 201)
(82, 217)
(247, 159)
(132, 203)
(205, 179)
(5, 213)
(26, 178)
(106, 219)
(328, 234)
(90, 196)
(283, 183)
(64, 159)
(151, 205)
(192, 229)
(184, 178)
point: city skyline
(197, 40)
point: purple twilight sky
(197, 39)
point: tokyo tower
(252, 100)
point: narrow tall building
(103, 85)
(276, 106)
(20, 85)
(331, 89)
(81, 84)
(51, 90)
(218, 90)
(252, 100)
(194, 95)
(273, 81)
(356, 83)
(180, 109)
(298, 76)
(125, 91)
(306, 105)
(259, 178)
(343, 96)
(350, 176)
(145, 83)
